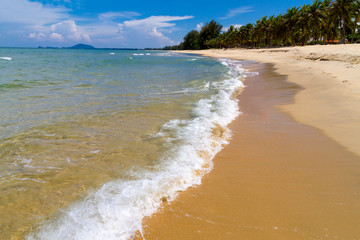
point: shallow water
(92, 141)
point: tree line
(322, 22)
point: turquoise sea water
(91, 141)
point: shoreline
(330, 100)
(277, 179)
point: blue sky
(130, 23)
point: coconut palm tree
(264, 28)
(274, 30)
(304, 23)
(323, 19)
(316, 17)
(291, 19)
(355, 17)
(329, 23)
(341, 9)
(248, 33)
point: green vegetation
(322, 22)
(82, 46)
(210, 31)
(195, 40)
(192, 40)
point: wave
(167, 54)
(13, 86)
(6, 58)
(205, 86)
(116, 210)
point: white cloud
(64, 27)
(155, 33)
(69, 29)
(199, 26)
(33, 19)
(56, 37)
(152, 29)
(237, 11)
(155, 21)
(224, 29)
(107, 16)
(25, 22)
(161, 37)
(38, 36)
(30, 13)
(64, 31)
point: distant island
(82, 46)
(86, 46)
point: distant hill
(82, 46)
(86, 46)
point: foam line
(6, 58)
(116, 210)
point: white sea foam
(183, 91)
(251, 74)
(116, 210)
(206, 85)
(167, 54)
(138, 54)
(26, 162)
(6, 58)
(112, 53)
(29, 179)
(201, 88)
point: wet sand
(330, 100)
(277, 179)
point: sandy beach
(330, 78)
(292, 168)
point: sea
(93, 141)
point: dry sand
(331, 77)
(281, 177)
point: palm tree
(329, 29)
(243, 35)
(261, 30)
(276, 29)
(341, 9)
(316, 17)
(355, 17)
(248, 32)
(291, 18)
(281, 29)
(321, 20)
(272, 30)
(304, 23)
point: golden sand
(277, 179)
(330, 75)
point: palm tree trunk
(353, 35)
(343, 33)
